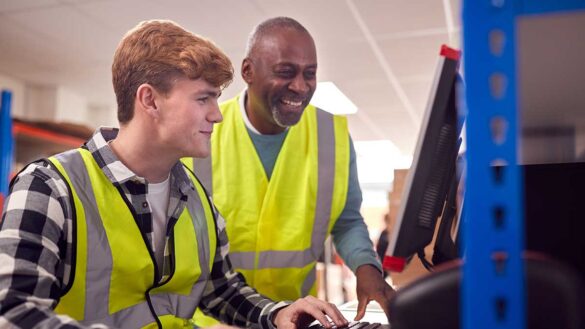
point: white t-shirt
(158, 199)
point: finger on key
(333, 312)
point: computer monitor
(447, 242)
(433, 167)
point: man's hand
(304, 311)
(372, 286)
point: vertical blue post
(493, 292)
(6, 144)
(493, 231)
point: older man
(283, 174)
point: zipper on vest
(151, 307)
(144, 238)
(157, 283)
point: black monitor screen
(429, 178)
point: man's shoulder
(37, 174)
(39, 168)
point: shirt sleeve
(228, 298)
(33, 243)
(350, 233)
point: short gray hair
(267, 27)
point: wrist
(275, 311)
(367, 269)
(273, 316)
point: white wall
(102, 116)
(54, 103)
(40, 102)
(17, 88)
(70, 107)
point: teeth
(287, 102)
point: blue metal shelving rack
(6, 144)
(493, 285)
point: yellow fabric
(188, 162)
(132, 269)
(275, 215)
(172, 322)
(69, 303)
(203, 321)
(274, 281)
(188, 268)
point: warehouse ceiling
(381, 53)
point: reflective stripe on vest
(325, 143)
(113, 269)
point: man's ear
(247, 70)
(146, 97)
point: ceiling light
(329, 98)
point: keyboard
(354, 325)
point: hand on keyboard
(304, 310)
(353, 325)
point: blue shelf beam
(6, 144)
(493, 286)
(493, 292)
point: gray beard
(282, 121)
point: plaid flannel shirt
(36, 246)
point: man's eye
(310, 75)
(286, 74)
(203, 100)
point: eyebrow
(208, 92)
(313, 65)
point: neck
(141, 155)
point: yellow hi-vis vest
(277, 228)
(114, 277)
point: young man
(118, 233)
(283, 174)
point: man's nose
(299, 85)
(215, 115)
